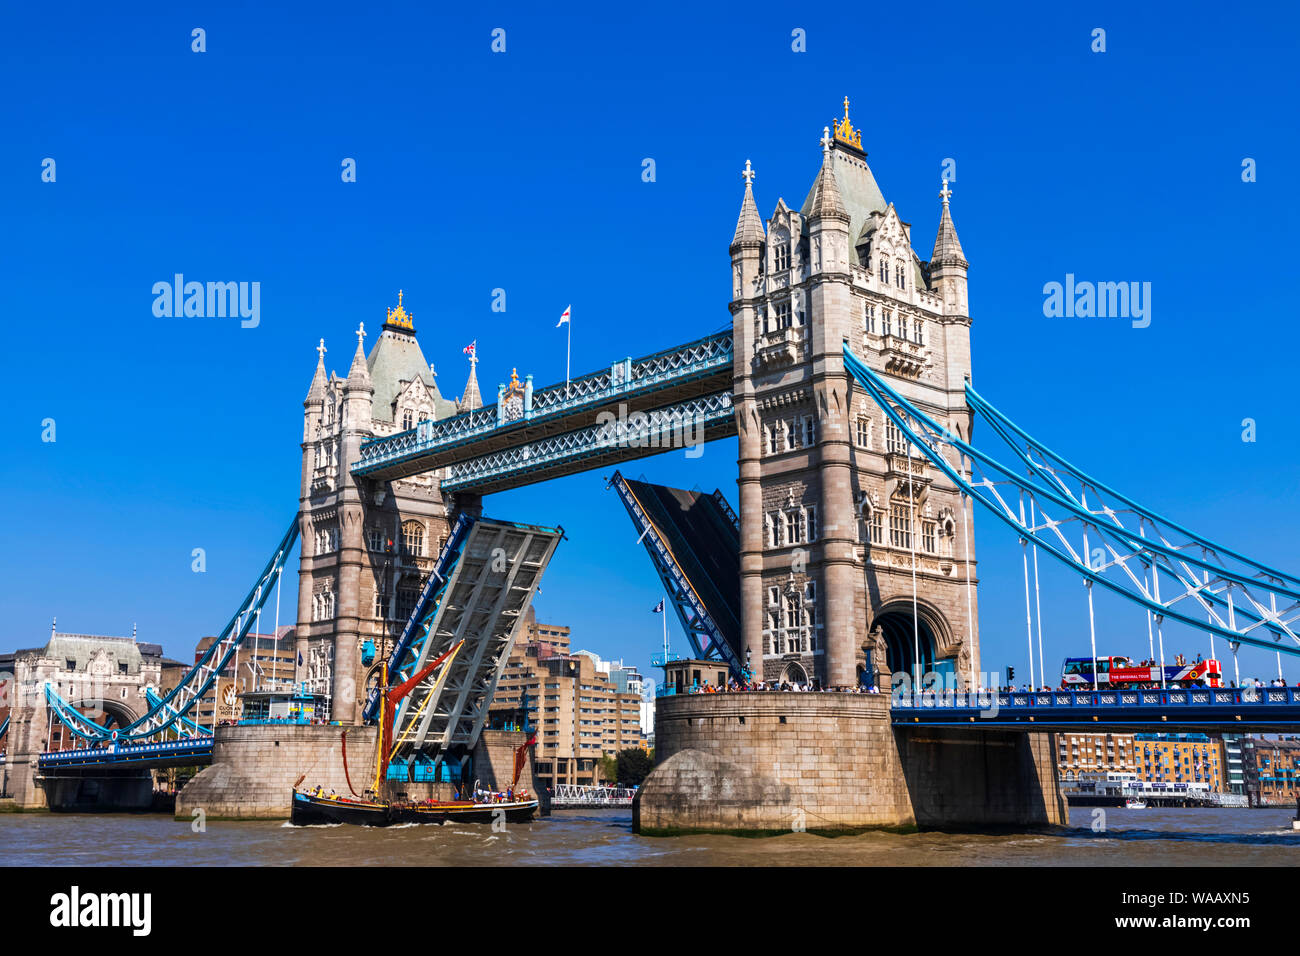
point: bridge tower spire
(747, 251)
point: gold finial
(514, 379)
(844, 131)
(399, 318)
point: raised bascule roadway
(848, 562)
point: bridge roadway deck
(192, 752)
(1235, 710)
(668, 378)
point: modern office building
(571, 701)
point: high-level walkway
(635, 407)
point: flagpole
(568, 348)
(664, 613)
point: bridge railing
(125, 753)
(1170, 697)
(681, 363)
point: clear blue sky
(522, 171)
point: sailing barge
(313, 807)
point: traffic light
(1011, 674)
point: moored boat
(310, 808)
(373, 808)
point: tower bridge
(845, 376)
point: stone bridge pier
(777, 762)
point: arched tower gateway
(837, 516)
(366, 550)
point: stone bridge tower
(837, 519)
(367, 546)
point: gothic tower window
(918, 331)
(887, 321)
(809, 431)
(884, 269)
(900, 525)
(899, 280)
(876, 526)
(413, 538)
(381, 600)
(863, 433)
(408, 419)
(375, 538)
(894, 442)
(902, 327)
(869, 319)
(408, 592)
(783, 315)
(927, 536)
(781, 255)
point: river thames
(1151, 837)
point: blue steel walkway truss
(674, 398)
(1102, 535)
(171, 710)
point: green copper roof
(397, 358)
(858, 190)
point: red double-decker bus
(1122, 672)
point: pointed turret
(317, 389)
(359, 373)
(749, 227)
(948, 264)
(471, 399)
(826, 201)
(947, 247)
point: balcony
(903, 358)
(781, 347)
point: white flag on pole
(565, 317)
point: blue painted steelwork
(707, 638)
(195, 685)
(624, 380)
(180, 753)
(1239, 709)
(186, 723)
(1161, 549)
(406, 651)
(4, 726)
(693, 421)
